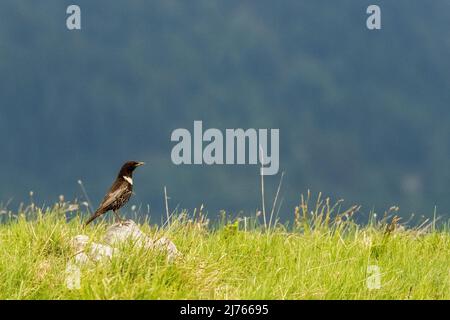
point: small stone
(79, 242)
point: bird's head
(128, 168)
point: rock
(167, 245)
(100, 251)
(81, 258)
(128, 231)
(117, 234)
(88, 252)
(95, 252)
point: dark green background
(363, 115)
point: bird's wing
(113, 194)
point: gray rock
(129, 231)
(117, 234)
(86, 252)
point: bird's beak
(140, 164)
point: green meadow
(322, 254)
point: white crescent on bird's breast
(128, 179)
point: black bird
(120, 192)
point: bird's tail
(96, 214)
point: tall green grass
(324, 254)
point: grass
(323, 255)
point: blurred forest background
(363, 115)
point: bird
(119, 193)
